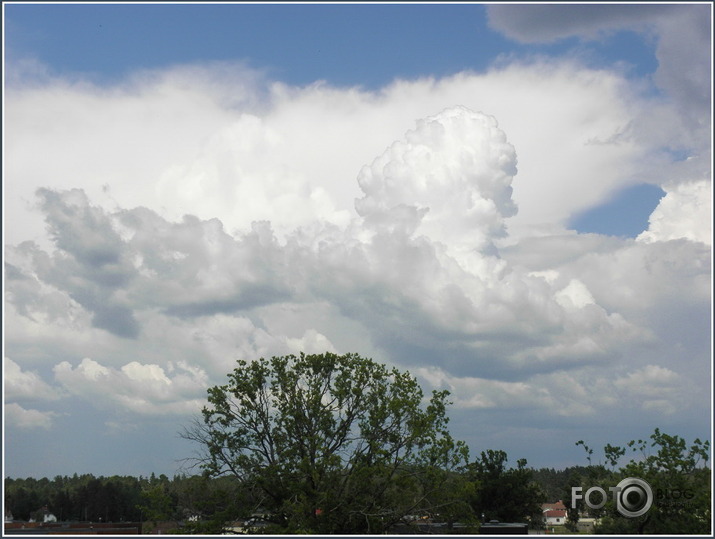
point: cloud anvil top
(528, 225)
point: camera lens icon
(634, 497)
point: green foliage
(613, 454)
(588, 450)
(502, 493)
(555, 483)
(79, 498)
(677, 475)
(156, 504)
(329, 443)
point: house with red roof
(554, 514)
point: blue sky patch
(624, 214)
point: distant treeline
(116, 498)
(126, 498)
(78, 498)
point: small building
(554, 514)
(556, 505)
(555, 517)
(586, 525)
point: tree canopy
(503, 493)
(329, 443)
(677, 476)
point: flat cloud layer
(179, 222)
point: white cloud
(23, 385)
(223, 180)
(128, 134)
(684, 212)
(653, 388)
(645, 280)
(449, 179)
(32, 297)
(574, 295)
(17, 416)
(558, 395)
(682, 36)
(312, 342)
(176, 144)
(407, 292)
(139, 388)
(478, 393)
(578, 394)
(414, 283)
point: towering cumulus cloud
(449, 179)
(422, 273)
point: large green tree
(328, 443)
(503, 493)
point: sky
(510, 201)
